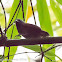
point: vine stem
(13, 16)
(5, 24)
(18, 9)
(33, 12)
(5, 17)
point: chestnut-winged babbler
(29, 30)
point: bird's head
(19, 21)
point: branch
(18, 42)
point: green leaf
(1, 58)
(59, 1)
(13, 9)
(15, 32)
(44, 17)
(2, 20)
(8, 10)
(20, 14)
(57, 11)
(35, 48)
(45, 22)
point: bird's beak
(15, 21)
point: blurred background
(55, 13)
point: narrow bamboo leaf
(44, 17)
(13, 9)
(2, 21)
(45, 22)
(8, 10)
(14, 6)
(36, 48)
(59, 1)
(15, 32)
(1, 56)
(57, 11)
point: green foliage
(44, 17)
(33, 47)
(57, 11)
(45, 24)
(15, 32)
(59, 1)
(1, 58)
(2, 20)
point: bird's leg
(18, 35)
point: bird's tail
(44, 33)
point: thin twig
(5, 23)
(49, 50)
(5, 17)
(19, 9)
(9, 46)
(13, 16)
(42, 53)
(13, 27)
(1, 31)
(21, 53)
(58, 57)
(33, 12)
(23, 11)
(10, 24)
(47, 57)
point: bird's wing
(32, 28)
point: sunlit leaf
(8, 10)
(45, 22)
(57, 11)
(44, 16)
(36, 48)
(2, 20)
(59, 1)
(15, 32)
(29, 12)
(59, 32)
(1, 58)
(58, 61)
(33, 47)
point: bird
(29, 30)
